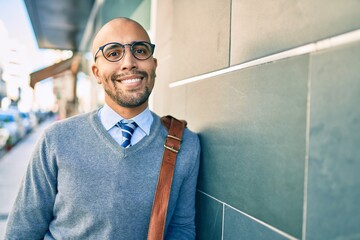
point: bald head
(122, 30)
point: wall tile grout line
(223, 222)
(251, 217)
(307, 149)
(230, 33)
(338, 40)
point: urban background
(272, 88)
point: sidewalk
(12, 168)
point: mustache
(134, 72)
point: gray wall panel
(238, 226)
(198, 49)
(334, 163)
(208, 218)
(252, 128)
(260, 28)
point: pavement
(12, 169)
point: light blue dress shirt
(109, 118)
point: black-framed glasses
(115, 51)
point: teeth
(131, 80)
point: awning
(68, 64)
(59, 24)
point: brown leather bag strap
(161, 200)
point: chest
(109, 181)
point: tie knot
(126, 124)
(127, 129)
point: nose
(128, 61)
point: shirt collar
(109, 118)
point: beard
(133, 98)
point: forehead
(120, 31)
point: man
(87, 181)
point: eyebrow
(114, 45)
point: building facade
(272, 88)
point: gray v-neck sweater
(80, 184)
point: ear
(95, 71)
(155, 62)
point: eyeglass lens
(115, 51)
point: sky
(18, 45)
(14, 17)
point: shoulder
(72, 124)
(190, 140)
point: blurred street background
(13, 165)
(22, 106)
(24, 110)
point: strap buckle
(170, 147)
(173, 137)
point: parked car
(11, 121)
(4, 139)
(29, 120)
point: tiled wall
(272, 88)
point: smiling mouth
(132, 80)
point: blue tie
(127, 129)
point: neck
(125, 112)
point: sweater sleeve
(33, 208)
(182, 224)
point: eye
(113, 51)
(141, 50)
(113, 54)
